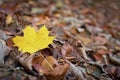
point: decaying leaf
(3, 36)
(100, 40)
(66, 49)
(32, 40)
(26, 61)
(78, 73)
(8, 19)
(94, 70)
(4, 50)
(100, 53)
(85, 40)
(58, 73)
(117, 72)
(49, 62)
(50, 67)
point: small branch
(47, 62)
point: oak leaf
(33, 40)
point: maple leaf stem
(47, 62)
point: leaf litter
(86, 44)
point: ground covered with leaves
(59, 40)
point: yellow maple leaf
(33, 40)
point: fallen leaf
(117, 72)
(58, 73)
(78, 73)
(98, 57)
(37, 60)
(4, 50)
(66, 49)
(117, 48)
(32, 40)
(3, 36)
(10, 42)
(8, 19)
(49, 63)
(94, 70)
(26, 61)
(50, 67)
(100, 40)
(44, 65)
(85, 40)
(99, 54)
(114, 59)
(41, 70)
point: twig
(47, 62)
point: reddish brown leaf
(10, 42)
(66, 49)
(49, 62)
(100, 40)
(117, 72)
(99, 54)
(58, 73)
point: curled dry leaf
(94, 70)
(3, 36)
(114, 59)
(9, 43)
(78, 73)
(117, 72)
(66, 49)
(8, 19)
(58, 73)
(82, 50)
(100, 40)
(37, 62)
(26, 60)
(85, 40)
(4, 50)
(50, 67)
(99, 54)
(49, 63)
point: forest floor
(86, 44)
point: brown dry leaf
(10, 42)
(100, 40)
(3, 35)
(77, 72)
(99, 54)
(4, 50)
(37, 60)
(58, 73)
(66, 50)
(86, 11)
(117, 72)
(85, 40)
(117, 48)
(8, 19)
(26, 60)
(41, 70)
(49, 62)
(94, 70)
